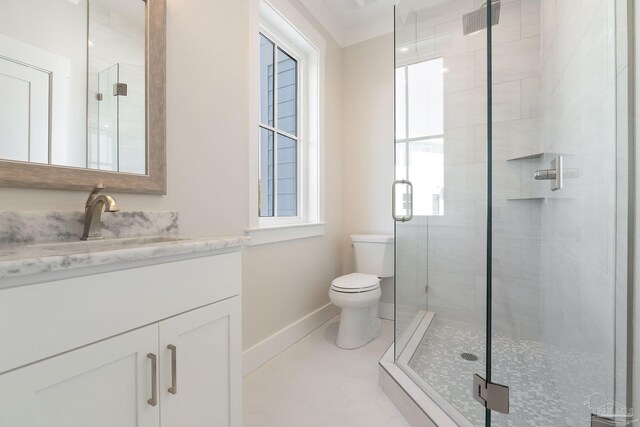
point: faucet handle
(94, 192)
(97, 188)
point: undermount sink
(104, 244)
(18, 261)
(86, 246)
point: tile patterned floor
(314, 384)
(535, 400)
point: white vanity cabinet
(155, 345)
(200, 377)
(101, 385)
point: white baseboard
(267, 349)
(386, 310)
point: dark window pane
(266, 80)
(287, 93)
(287, 177)
(265, 184)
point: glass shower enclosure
(117, 133)
(511, 208)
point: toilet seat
(356, 283)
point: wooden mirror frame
(54, 177)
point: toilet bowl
(357, 294)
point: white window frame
(299, 137)
(279, 21)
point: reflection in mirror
(72, 90)
(116, 96)
(43, 69)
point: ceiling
(353, 21)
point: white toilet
(357, 294)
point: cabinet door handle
(154, 379)
(174, 370)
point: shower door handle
(407, 201)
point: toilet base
(359, 321)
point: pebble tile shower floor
(316, 384)
(534, 398)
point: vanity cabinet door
(201, 379)
(105, 384)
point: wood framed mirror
(45, 142)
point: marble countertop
(19, 259)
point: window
(286, 144)
(278, 183)
(420, 133)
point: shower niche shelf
(526, 198)
(527, 157)
(531, 193)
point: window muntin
(420, 133)
(278, 194)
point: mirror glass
(72, 83)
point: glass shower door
(441, 115)
(511, 204)
(103, 153)
(118, 141)
(559, 210)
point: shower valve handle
(554, 174)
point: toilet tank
(374, 254)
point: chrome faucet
(93, 212)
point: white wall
(58, 46)
(285, 281)
(207, 163)
(367, 134)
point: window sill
(282, 233)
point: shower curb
(416, 407)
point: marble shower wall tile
(52, 226)
(451, 257)
(578, 223)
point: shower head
(477, 20)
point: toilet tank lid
(372, 238)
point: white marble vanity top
(24, 259)
(47, 243)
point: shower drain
(469, 356)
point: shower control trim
(554, 174)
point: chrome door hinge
(119, 89)
(494, 397)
